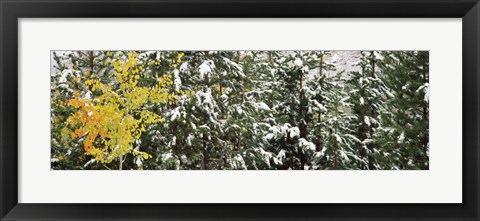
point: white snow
(401, 138)
(344, 156)
(175, 114)
(305, 69)
(294, 132)
(426, 98)
(304, 144)
(425, 89)
(273, 71)
(177, 82)
(88, 95)
(266, 155)
(138, 161)
(206, 68)
(263, 106)
(338, 138)
(184, 67)
(281, 131)
(389, 94)
(205, 127)
(344, 61)
(281, 155)
(238, 163)
(239, 110)
(334, 58)
(65, 86)
(269, 136)
(89, 162)
(206, 101)
(366, 120)
(65, 74)
(166, 156)
(378, 55)
(298, 63)
(174, 141)
(224, 97)
(238, 70)
(189, 139)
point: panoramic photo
(239, 110)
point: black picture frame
(12, 10)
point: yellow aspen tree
(110, 123)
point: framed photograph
(229, 110)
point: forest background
(259, 110)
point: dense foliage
(256, 110)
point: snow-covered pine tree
(338, 151)
(255, 117)
(162, 140)
(406, 118)
(289, 133)
(368, 96)
(216, 80)
(317, 94)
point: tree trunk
(90, 62)
(373, 63)
(204, 155)
(120, 162)
(371, 147)
(319, 145)
(335, 148)
(302, 116)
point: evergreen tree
(338, 151)
(407, 114)
(368, 93)
(318, 93)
